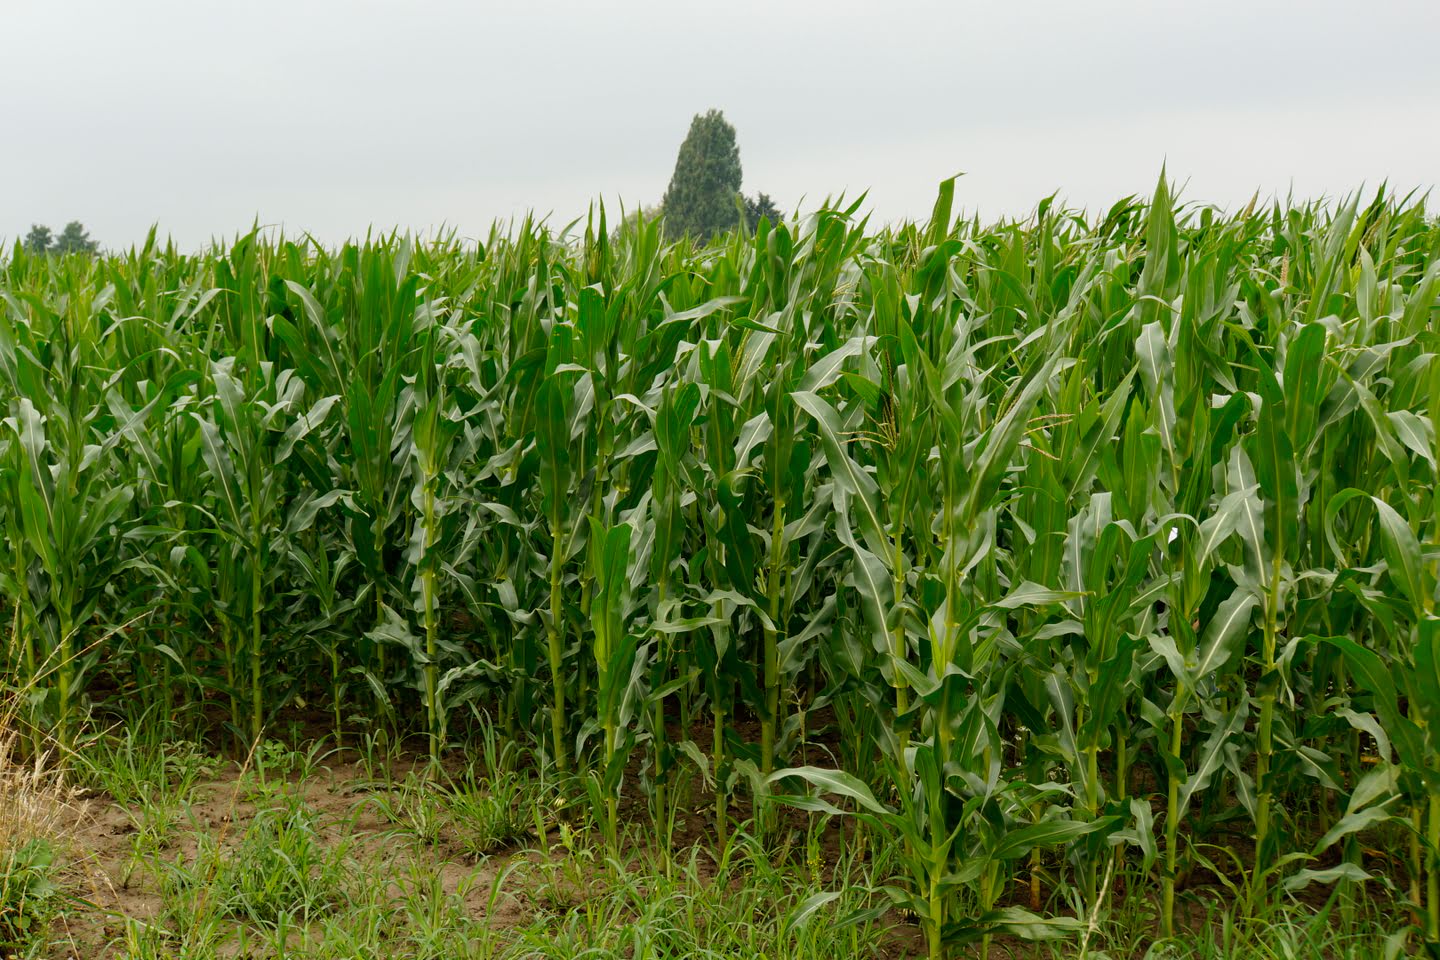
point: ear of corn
(1064, 533)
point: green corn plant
(441, 442)
(1274, 457)
(356, 336)
(619, 662)
(1105, 567)
(729, 442)
(552, 439)
(433, 432)
(323, 571)
(1409, 677)
(65, 460)
(674, 424)
(1054, 549)
(246, 437)
(22, 663)
(161, 302)
(947, 845)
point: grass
(277, 875)
(476, 817)
(152, 778)
(38, 814)
(28, 895)
(489, 876)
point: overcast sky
(334, 115)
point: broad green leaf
(1225, 632)
(833, 781)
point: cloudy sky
(335, 115)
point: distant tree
(74, 239)
(39, 238)
(760, 207)
(703, 189)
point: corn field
(1048, 550)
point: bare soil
(108, 887)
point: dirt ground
(109, 888)
(106, 884)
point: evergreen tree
(705, 187)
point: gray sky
(333, 115)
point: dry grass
(35, 801)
